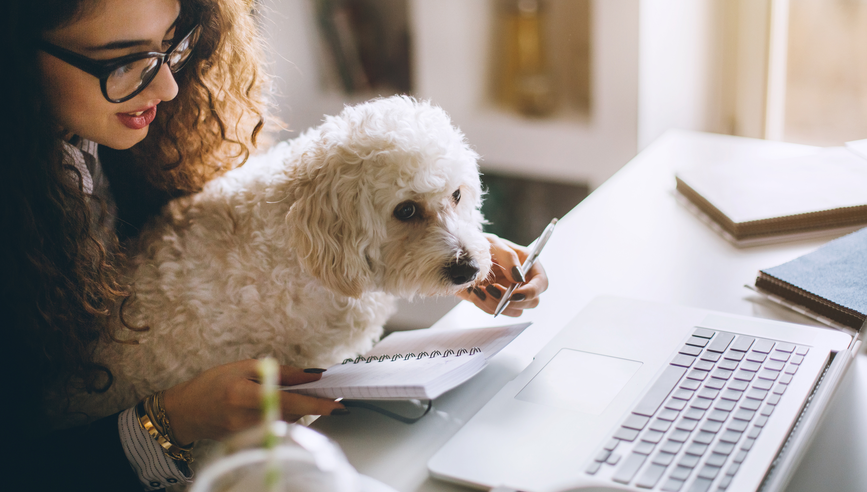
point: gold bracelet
(172, 450)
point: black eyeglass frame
(102, 69)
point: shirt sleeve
(155, 470)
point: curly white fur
(299, 253)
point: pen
(528, 264)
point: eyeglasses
(124, 78)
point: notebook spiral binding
(419, 356)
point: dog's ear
(328, 220)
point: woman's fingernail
(495, 292)
(517, 297)
(518, 275)
(478, 292)
(316, 370)
(340, 411)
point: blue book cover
(831, 281)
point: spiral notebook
(418, 364)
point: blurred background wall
(557, 95)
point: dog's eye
(457, 196)
(405, 211)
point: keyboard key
(637, 422)
(751, 366)
(708, 393)
(629, 468)
(650, 476)
(797, 359)
(671, 446)
(675, 404)
(786, 347)
(697, 375)
(703, 437)
(686, 425)
(757, 394)
(754, 432)
(613, 459)
(731, 394)
(704, 365)
(696, 449)
(763, 384)
(748, 444)
(725, 405)
(700, 485)
(659, 391)
(737, 425)
(738, 385)
(750, 404)
(780, 388)
(682, 360)
(710, 356)
(718, 416)
(672, 485)
(603, 455)
(763, 346)
(593, 468)
(722, 374)
(644, 447)
(681, 472)
(725, 448)
(773, 399)
(660, 425)
(743, 343)
(690, 384)
(711, 426)
(709, 471)
(802, 351)
(742, 414)
(754, 356)
(689, 461)
(701, 403)
(767, 410)
(720, 342)
(652, 436)
(791, 369)
(734, 355)
(785, 378)
(679, 435)
(779, 356)
(715, 383)
(730, 365)
(697, 341)
(774, 365)
(730, 436)
(625, 434)
(740, 457)
(612, 444)
(703, 333)
(682, 394)
(725, 482)
(690, 350)
(668, 414)
(734, 467)
(768, 374)
(663, 458)
(694, 414)
(744, 375)
(716, 459)
(761, 421)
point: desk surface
(628, 238)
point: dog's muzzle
(462, 271)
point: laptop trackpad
(579, 381)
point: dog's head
(387, 197)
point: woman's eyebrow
(131, 43)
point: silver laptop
(633, 395)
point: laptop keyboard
(702, 415)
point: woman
(171, 95)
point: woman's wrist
(180, 429)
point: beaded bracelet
(172, 450)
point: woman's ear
(327, 224)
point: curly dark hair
(61, 288)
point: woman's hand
(506, 270)
(227, 399)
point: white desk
(629, 238)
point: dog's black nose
(463, 270)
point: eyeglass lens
(127, 79)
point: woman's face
(109, 29)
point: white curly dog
(300, 253)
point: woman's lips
(137, 121)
